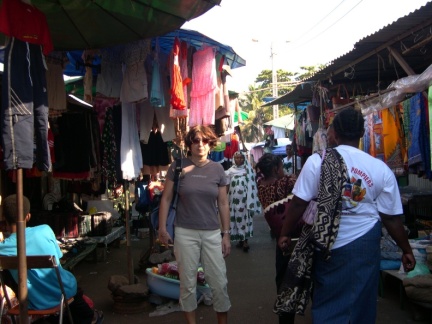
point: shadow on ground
(251, 286)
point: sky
(299, 33)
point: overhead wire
(323, 31)
(288, 83)
(313, 27)
(319, 22)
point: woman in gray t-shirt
(202, 216)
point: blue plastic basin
(168, 287)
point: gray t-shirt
(198, 192)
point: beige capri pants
(190, 247)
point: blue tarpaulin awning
(76, 66)
(198, 40)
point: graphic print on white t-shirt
(353, 192)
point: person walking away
(201, 225)
(340, 252)
(243, 202)
(274, 186)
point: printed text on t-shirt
(363, 175)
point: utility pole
(274, 81)
(274, 76)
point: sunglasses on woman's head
(198, 140)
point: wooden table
(73, 261)
(116, 233)
(102, 242)
(399, 276)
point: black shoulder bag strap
(177, 171)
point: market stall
(388, 76)
(69, 26)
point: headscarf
(238, 169)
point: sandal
(246, 247)
(98, 317)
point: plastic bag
(419, 269)
(419, 251)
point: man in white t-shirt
(288, 161)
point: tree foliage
(284, 81)
(252, 102)
(308, 71)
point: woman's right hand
(164, 237)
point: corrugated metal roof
(370, 67)
(301, 93)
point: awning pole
(128, 240)
(21, 251)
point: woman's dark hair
(349, 124)
(206, 133)
(267, 164)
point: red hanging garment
(26, 23)
(177, 95)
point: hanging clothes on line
(155, 153)
(165, 123)
(56, 89)
(204, 85)
(73, 146)
(101, 105)
(109, 81)
(135, 84)
(177, 95)
(419, 143)
(184, 69)
(109, 153)
(24, 110)
(186, 62)
(157, 92)
(130, 149)
(394, 140)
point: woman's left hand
(226, 246)
(284, 242)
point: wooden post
(128, 240)
(21, 251)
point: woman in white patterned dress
(243, 200)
